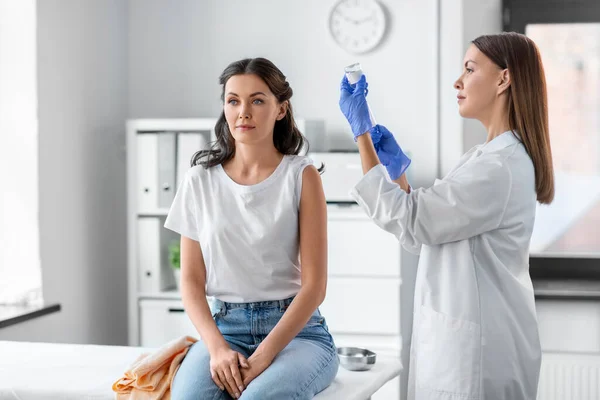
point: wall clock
(357, 26)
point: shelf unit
(138, 210)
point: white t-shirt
(248, 234)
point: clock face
(357, 25)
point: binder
(154, 271)
(188, 143)
(166, 169)
(147, 172)
(149, 255)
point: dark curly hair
(287, 138)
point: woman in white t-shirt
(248, 211)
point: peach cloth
(150, 376)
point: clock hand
(348, 19)
(360, 21)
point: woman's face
(479, 85)
(251, 109)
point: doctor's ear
(503, 81)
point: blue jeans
(306, 366)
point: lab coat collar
(501, 141)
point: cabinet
(162, 320)
(370, 277)
(369, 289)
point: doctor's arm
(375, 143)
(312, 222)
(470, 202)
(369, 159)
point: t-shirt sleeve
(182, 217)
(302, 164)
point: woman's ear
(282, 110)
(503, 81)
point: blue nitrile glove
(390, 154)
(353, 103)
(375, 135)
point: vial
(353, 73)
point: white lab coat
(475, 333)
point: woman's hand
(225, 370)
(259, 361)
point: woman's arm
(193, 291)
(223, 360)
(313, 252)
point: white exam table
(37, 371)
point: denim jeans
(306, 366)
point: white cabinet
(352, 241)
(360, 305)
(163, 320)
(369, 290)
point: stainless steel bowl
(356, 359)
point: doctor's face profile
(478, 85)
(251, 109)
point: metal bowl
(356, 359)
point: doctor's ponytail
(527, 101)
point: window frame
(516, 15)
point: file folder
(147, 172)
(154, 271)
(188, 143)
(166, 169)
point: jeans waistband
(281, 304)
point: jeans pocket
(315, 321)
(448, 356)
(216, 310)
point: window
(20, 273)
(567, 33)
(571, 57)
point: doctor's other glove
(353, 103)
(389, 152)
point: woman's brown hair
(527, 101)
(287, 138)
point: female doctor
(475, 333)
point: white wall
(18, 137)
(461, 21)
(178, 49)
(82, 110)
(569, 325)
(103, 61)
